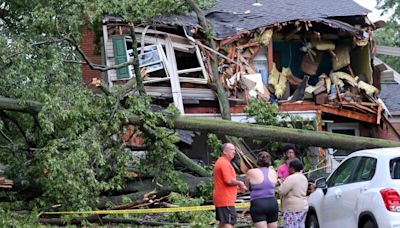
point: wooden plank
(194, 80)
(190, 70)
(200, 59)
(174, 77)
(348, 114)
(270, 57)
(378, 116)
(308, 106)
(5, 186)
(187, 93)
(189, 48)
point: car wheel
(369, 224)
(312, 221)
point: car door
(331, 215)
(359, 182)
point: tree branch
(92, 65)
(13, 120)
(6, 137)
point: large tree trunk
(253, 131)
(281, 134)
(190, 164)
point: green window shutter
(120, 56)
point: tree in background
(389, 6)
(390, 34)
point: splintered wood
(6, 183)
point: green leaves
(389, 36)
(72, 150)
(390, 6)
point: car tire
(369, 224)
(312, 221)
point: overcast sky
(375, 14)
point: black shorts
(226, 215)
(264, 209)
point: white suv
(362, 192)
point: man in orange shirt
(225, 187)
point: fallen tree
(254, 131)
(281, 134)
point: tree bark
(20, 106)
(136, 64)
(190, 164)
(281, 134)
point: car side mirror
(321, 183)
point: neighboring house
(390, 87)
(314, 58)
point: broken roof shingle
(270, 12)
(231, 17)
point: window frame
(357, 159)
(358, 167)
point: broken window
(189, 64)
(150, 61)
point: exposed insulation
(273, 77)
(328, 83)
(323, 45)
(266, 37)
(369, 89)
(336, 80)
(280, 88)
(344, 76)
(343, 58)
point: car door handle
(338, 194)
(364, 188)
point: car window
(365, 169)
(395, 168)
(343, 173)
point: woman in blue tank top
(261, 182)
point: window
(365, 169)
(395, 168)
(343, 173)
(346, 129)
(150, 59)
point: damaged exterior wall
(303, 57)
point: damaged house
(312, 58)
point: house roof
(275, 11)
(231, 17)
(389, 95)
